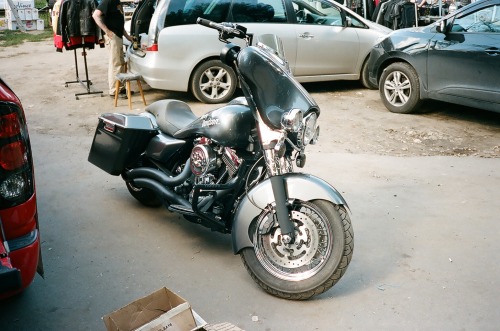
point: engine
(212, 163)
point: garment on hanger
(76, 27)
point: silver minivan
(323, 41)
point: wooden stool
(124, 79)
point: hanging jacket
(75, 19)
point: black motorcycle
(232, 170)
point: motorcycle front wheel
(313, 263)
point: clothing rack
(85, 83)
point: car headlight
(292, 120)
(309, 130)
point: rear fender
(299, 186)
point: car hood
(378, 27)
(409, 40)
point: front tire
(315, 262)
(400, 88)
(213, 82)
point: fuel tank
(229, 126)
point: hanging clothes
(75, 27)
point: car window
(181, 12)
(254, 11)
(317, 12)
(484, 20)
(355, 22)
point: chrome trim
(23, 241)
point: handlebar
(227, 30)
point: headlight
(310, 130)
(292, 120)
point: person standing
(110, 18)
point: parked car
(455, 60)
(323, 41)
(20, 253)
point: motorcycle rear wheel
(316, 261)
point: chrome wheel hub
(298, 260)
(397, 89)
(215, 83)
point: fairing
(273, 88)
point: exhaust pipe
(165, 193)
(159, 175)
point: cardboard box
(162, 310)
(40, 24)
(28, 14)
(9, 14)
(28, 25)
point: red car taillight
(16, 168)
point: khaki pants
(116, 60)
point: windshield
(272, 87)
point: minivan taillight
(16, 167)
(152, 48)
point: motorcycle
(232, 170)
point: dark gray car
(455, 60)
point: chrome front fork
(273, 142)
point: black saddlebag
(119, 140)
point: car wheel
(213, 82)
(365, 76)
(400, 88)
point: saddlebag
(119, 140)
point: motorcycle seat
(171, 115)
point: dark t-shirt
(113, 16)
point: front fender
(299, 186)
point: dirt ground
(353, 119)
(426, 228)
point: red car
(20, 251)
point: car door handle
(492, 51)
(306, 35)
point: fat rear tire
(314, 263)
(400, 88)
(145, 196)
(213, 82)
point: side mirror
(441, 27)
(348, 21)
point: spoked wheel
(311, 265)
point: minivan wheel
(213, 82)
(400, 88)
